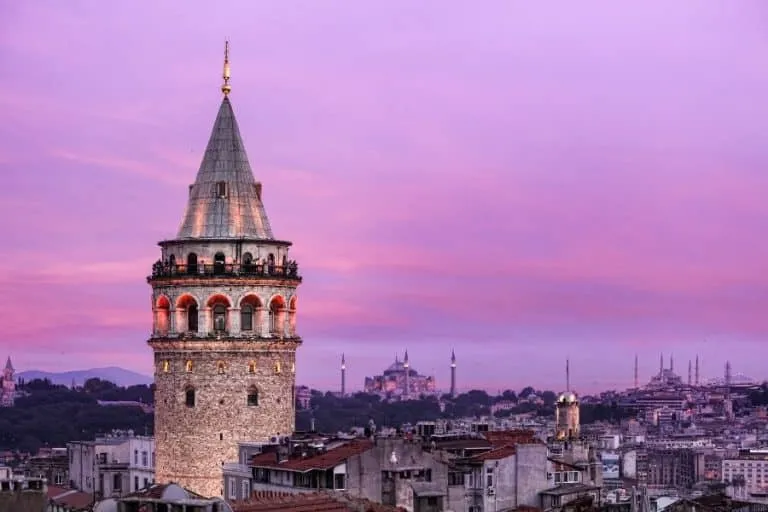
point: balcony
(161, 270)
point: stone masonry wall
(192, 443)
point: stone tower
(224, 331)
(453, 373)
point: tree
(528, 390)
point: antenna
(567, 375)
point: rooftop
(324, 460)
(311, 502)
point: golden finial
(225, 87)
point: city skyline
(507, 185)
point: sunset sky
(519, 181)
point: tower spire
(343, 375)
(225, 87)
(690, 379)
(697, 369)
(567, 375)
(453, 373)
(636, 381)
(661, 364)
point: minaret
(453, 373)
(671, 364)
(224, 332)
(690, 373)
(728, 377)
(567, 375)
(637, 386)
(343, 376)
(697, 369)
(661, 364)
(407, 369)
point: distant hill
(119, 376)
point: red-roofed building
(310, 502)
(61, 499)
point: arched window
(219, 318)
(271, 263)
(192, 318)
(192, 263)
(188, 366)
(221, 367)
(218, 263)
(172, 263)
(246, 317)
(247, 263)
(253, 396)
(252, 367)
(189, 397)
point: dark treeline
(52, 415)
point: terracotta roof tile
(308, 502)
(325, 460)
(500, 438)
(496, 454)
(73, 499)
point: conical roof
(225, 200)
(8, 365)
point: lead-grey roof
(241, 213)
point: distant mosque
(667, 378)
(8, 385)
(401, 380)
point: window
(252, 367)
(338, 481)
(146, 483)
(189, 366)
(221, 367)
(489, 477)
(246, 318)
(136, 457)
(135, 483)
(172, 262)
(246, 488)
(232, 488)
(455, 478)
(192, 263)
(166, 366)
(145, 459)
(117, 482)
(253, 397)
(218, 263)
(192, 318)
(189, 397)
(247, 262)
(220, 317)
(153, 461)
(221, 189)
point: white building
(113, 465)
(746, 474)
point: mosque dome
(567, 398)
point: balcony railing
(162, 270)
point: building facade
(112, 466)
(224, 334)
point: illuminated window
(221, 189)
(253, 397)
(189, 366)
(278, 369)
(166, 366)
(221, 367)
(252, 367)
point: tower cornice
(251, 240)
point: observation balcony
(289, 271)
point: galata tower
(224, 320)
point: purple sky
(516, 181)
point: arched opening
(271, 264)
(252, 367)
(253, 396)
(250, 315)
(276, 315)
(187, 314)
(221, 367)
(172, 263)
(248, 263)
(162, 316)
(218, 263)
(292, 316)
(189, 366)
(219, 305)
(192, 263)
(189, 397)
(219, 318)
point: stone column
(233, 321)
(204, 326)
(181, 319)
(172, 321)
(265, 327)
(258, 321)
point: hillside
(119, 376)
